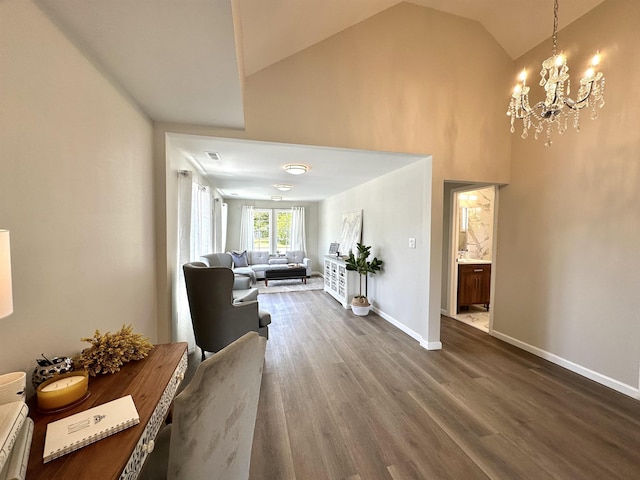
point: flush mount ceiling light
(296, 168)
(276, 198)
(283, 187)
(556, 108)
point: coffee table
(287, 273)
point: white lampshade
(6, 296)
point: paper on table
(81, 429)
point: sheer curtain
(246, 228)
(298, 236)
(201, 222)
(182, 330)
(195, 238)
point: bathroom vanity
(474, 283)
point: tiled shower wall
(480, 228)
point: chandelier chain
(555, 27)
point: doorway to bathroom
(467, 262)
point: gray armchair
(214, 418)
(217, 320)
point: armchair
(214, 418)
(217, 320)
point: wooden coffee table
(285, 274)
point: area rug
(291, 285)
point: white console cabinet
(340, 283)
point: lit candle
(523, 76)
(62, 390)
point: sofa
(242, 290)
(258, 262)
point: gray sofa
(260, 262)
(242, 290)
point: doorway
(471, 218)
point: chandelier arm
(581, 101)
(531, 111)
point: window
(283, 230)
(262, 230)
(269, 235)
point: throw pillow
(240, 259)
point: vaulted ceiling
(184, 61)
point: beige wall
(567, 254)
(76, 192)
(405, 80)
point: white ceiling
(183, 61)
(250, 169)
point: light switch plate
(412, 242)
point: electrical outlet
(412, 242)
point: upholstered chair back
(217, 321)
(214, 418)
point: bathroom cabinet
(474, 285)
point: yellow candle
(62, 390)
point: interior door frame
(453, 246)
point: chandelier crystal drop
(557, 108)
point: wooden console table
(152, 382)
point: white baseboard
(444, 311)
(569, 365)
(408, 331)
(431, 345)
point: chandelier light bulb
(590, 73)
(595, 61)
(559, 60)
(523, 75)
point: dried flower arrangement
(110, 351)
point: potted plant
(363, 266)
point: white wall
(76, 192)
(395, 207)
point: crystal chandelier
(557, 107)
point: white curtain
(182, 330)
(246, 228)
(298, 236)
(195, 238)
(201, 222)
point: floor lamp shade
(6, 296)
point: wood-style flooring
(346, 397)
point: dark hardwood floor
(345, 397)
